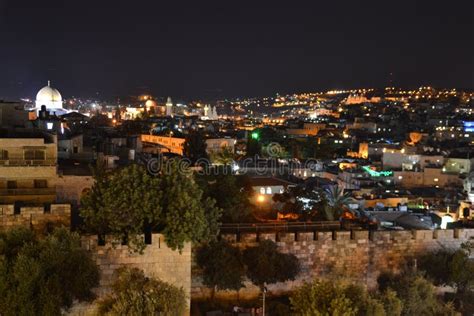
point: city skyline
(211, 50)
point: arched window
(262, 190)
(269, 190)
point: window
(262, 190)
(35, 154)
(40, 184)
(3, 154)
(11, 185)
(269, 190)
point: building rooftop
(27, 133)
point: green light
(255, 135)
(374, 173)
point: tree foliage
(125, 202)
(254, 147)
(231, 194)
(222, 265)
(306, 202)
(265, 264)
(225, 156)
(122, 203)
(195, 146)
(417, 294)
(329, 297)
(187, 215)
(453, 268)
(336, 201)
(135, 294)
(43, 276)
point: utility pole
(264, 290)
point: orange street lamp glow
(260, 199)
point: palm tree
(336, 200)
(224, 157)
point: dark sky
(201, 49)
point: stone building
(27, 166)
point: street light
(264, 290)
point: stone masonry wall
(36, 218)
(158, 260)
(358, 255)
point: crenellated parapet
(359, 255)
(39, 218)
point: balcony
(28, 191)
(27, 162)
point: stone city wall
(358, 255)
(37, 218)
(157, 260)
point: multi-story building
(175, 145)
(28, 161)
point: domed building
(51, 99)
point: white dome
(49, 97)
(48, 94)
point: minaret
(206, 111)
(214, 115)
(169, 107)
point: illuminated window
(435, 179)
(262, 190)
(400, 177)
(269, 190)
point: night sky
(203, 49)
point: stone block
(305, 236)
(267, 236)
(342, 235)
(360, 235)
(286, 237)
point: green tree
(306, 202)
(265, 264)
(232, 194)
(336, 201)
(225, 156)
(135, 294)
(322, 298)
(222, 266)
(187, 215)
(122, 203)
(254, 147)
(43, 276)
(195, 146)
(126, 202)
(337, 297)
(448, 267)
(417, 294)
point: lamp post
(264, 290)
